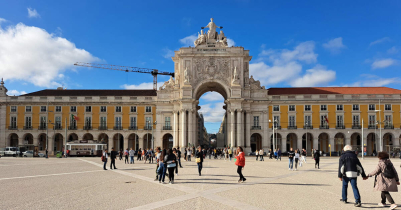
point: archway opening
(147, 141)
(339, 142)
(28, 139)
(277, 141)
(307, 141)
(323, 142)
(388, 142)
(167, 141)
(13, 140)
(371, 144)
(118, 142)
(87, 137)
(133, 141)
(356, 142)
(104, 139)
(291, 141)
(58, 142)
(72, 137)
(42, 141)
(256, 142)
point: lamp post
(380, 128)
(153, 138)
(274, 141)
(306, 138)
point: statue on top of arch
(212, 36)
(168, 85)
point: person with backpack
(296, 158)
(386, 179)
(126, 156)
(349, 169)
(131, 156)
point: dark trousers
(386, 194)
(189, 158)
(139, 157)
(171, 173)
(261, 158)
(121, 157)
(257, 156)
(354, 188)
(126, 159)
(104, 164)
(239, 171)
(179, 162)
(296, 163)
(200, 166)
(113, 163)
(317, 160)
(176, 169)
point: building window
(291, 121)
(13, 124)
(118, 122)
(372, 107)
(372, 120)
(340, 121)
(88, 122)
(43, 108)
(308, 120)
(167, 121)
(148, 109)
(291, 108)
(323, 120)
(28, 122)
(387, 120)
(387, 107)
(73, 123)
(355, 107)
(118, 108)
(103, 122)
(323, 107)
(276, 108)
(58, 108)
(133, 108)
(88, 109)
(255, 120)
(307, 108)
(43, 122)
(355, 120)
(13, 108)
(133, 122)
(73, 109)
(57, 123)
(28, 109)
(340, 107)
(276, 120)
(103, 109)
(148, 121)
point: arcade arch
(42, 141)
(291, 141)
(133, 141)
(13, 140)
(277, 139)
(323, 142)
(87, 136)
(256, 142)
(118, 142)
(72, 137)
(58, 142)
(28, 138)
(147, 141)
(167, 141)
(339, 142)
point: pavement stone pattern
(81, 183)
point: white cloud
(335, 45)
(392, 50)
(142, 86)
(374, 81)
(2, 20)
(317, 76)
(270, 75)
(213, 112)
(32, 13)
(383, 63)
(230, 42)
(189, 40)
(212, 96)
(15, 93)
(167, 53)
(384, 39)
(33, 55)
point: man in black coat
(113, 156)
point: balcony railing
(102, 127)
(167, 128)
(278, 127)
(42, 127)
(58, 127)
(372, 126)
(12, 128)
(119, 127)
(308, 127)
(29, 127)
(340, 127)
(324, 127)
(356, 126)
(72, 127)
(389, 126)
(292, 127)
(132, 127)
(87, 127)
(256, 127)
(147, 127)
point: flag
(327, 120)
(74, 117)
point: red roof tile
(88, 92)
(333, 90)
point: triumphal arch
(212, 65)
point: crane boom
(154, 72)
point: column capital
(175, 111)
(159, 112)
(265, 112)
(239, 110)
(183, 110)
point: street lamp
(274, 141)
(380, 128)
(153, 138)
(306, 138)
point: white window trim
(295, 108)
(100, 109)
(340, 110)
(136, 109)
(304, 122)
(327, 116)
(343, 119)
(310, 108)
(295, 120)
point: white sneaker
(393, 206)
(170, 183)
(176, 174)
(289, 169)
(295, 169)
(381, 205)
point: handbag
(103, 158)
(198, 160)
(171, 165)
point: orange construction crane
(153, 72)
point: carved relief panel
(211, 68)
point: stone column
(183, 128)
(283, 144)
(194, 128)
(315, 143)
(232, 135)
(190, 127)
(228, 128)
(140, 141)
(248, 129)
(157, 138)
(50, 144)
(331, 143)
(36, 141)
(265, 126)
(125, 143)
(240, 127)
(175, 129)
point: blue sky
(293, 43)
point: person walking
(179, 156)
(185, 154)
(121, 154)
(261, 153)
(257, 154)
(189, 155)
(171, 160)
(386, 179)
(113, 157)
(275, 155)
(131, 156)
(126, 156)
(230, 153)
(349, 169)
(240, 162)
(105, 157)
(291, 155)
(316, 156)
(162, 167)
(139, 154)
(157, 157)
(199, 159)
(150, 155)
(278, 154)
(176, 156)
(296, 159)
(303, 154)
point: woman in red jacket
(240, 163)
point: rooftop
(333, 90)
(89, 92)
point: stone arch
(356, 141)
(133, 141)
(388, 142)
(291, 141)
(58, 142)
(87, 136)
(211, 85)
(72, 137)
(256, 142)
(28, 138)
(118, 142)
(167, 141)
(339, 142)
(103, 138)
(371, 143)
(13, 138)
(147, 141)
(277, 139)
(42, 141)
(323, 142)
(307, 141)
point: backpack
(389, 171)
